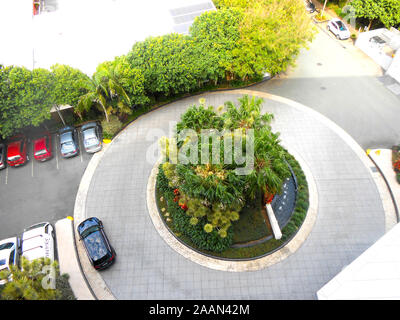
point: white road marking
(32, 160)
(6, 175)
(55, 144)
(80, 146)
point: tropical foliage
(29, 282)
(213, 193)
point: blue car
(95, 241)
(68, 142)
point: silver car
(91, 136)
(68, 142)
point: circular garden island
(220, 172)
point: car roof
(14, 148)
(89, 133)
(40, 143)
(66, 136)
(96, 245)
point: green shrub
(398, 177)
(111, 128)
(181, 222)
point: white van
(38, 242)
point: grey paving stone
(350, 216)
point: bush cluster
(181, 221)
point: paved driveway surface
(339, 81)
(350, 216)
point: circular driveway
(350, 215)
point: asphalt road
(39, 191)
(336, 79)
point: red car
(42, 148)
(16, 151)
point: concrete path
(350, 216)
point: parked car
(3, 154)
(42, 148)
(91, 136)
(16, 151)
(98, 248)
(38, 241)
(9, 255)
(68, 142)
(339, 29)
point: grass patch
(251, 225)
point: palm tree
(102, 88)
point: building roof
(85, 33)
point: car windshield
(7, 245)
(13, 158)
(341, 26)
(36, 226)
(40, 152)
(89, 231)
(2, 262)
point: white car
(38, 242)
(9, 254)
(339, 29)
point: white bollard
(276, 230)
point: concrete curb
(228, 265)
(68, 260)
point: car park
(3, 153)
(9, 255)
(338, 28)
(68, 142)
(91, 136)
(97, 246)
(42, 149)
(16, 151)
(38, 242)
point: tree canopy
(385, 11)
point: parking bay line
(55, 144)
(6, 175)
(80, 146)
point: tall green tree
(216, 36)
(168, 63)
(68, 84)
(26, 98)
(385, 11)
(105, 92)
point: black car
(3, 155)
(68, 142)
(95, 241)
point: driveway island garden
(212, 192)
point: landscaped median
(216, 212)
